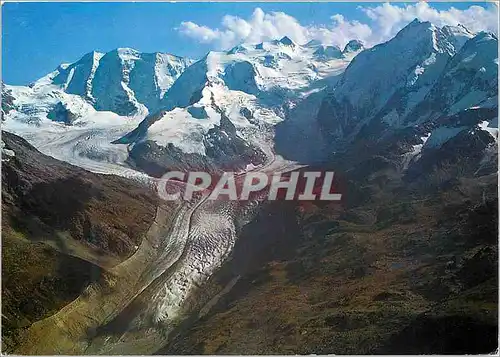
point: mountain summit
(122, 81)
(391, 78)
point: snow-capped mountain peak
(400, 71)
(164, 106)
(269, 67)
(286, 41)
(353, 46)
(123, 80)
(127, 53)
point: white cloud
(259, 27)
(383, 22)
(388, 19)
(200, 33)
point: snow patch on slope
(490, 127)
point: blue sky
(39, 36)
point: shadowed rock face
(353, 46)
(62, 114)
(241, 76)
(108, 211)
(449, 334)
(328, 52)
(225, 151)
(438, 85)
(121, 80)
(61, 225)
(7, 100)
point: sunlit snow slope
(109, 112)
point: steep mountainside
(407, 96)
(395, 272)
(276, 93)
(62, 228)
(408, 263)
(75, 112)
(250, 88)
(391, 78)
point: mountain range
(405, 264)
(156, 111)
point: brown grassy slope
(398, 274)
(60, 226)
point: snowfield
(75, 112)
